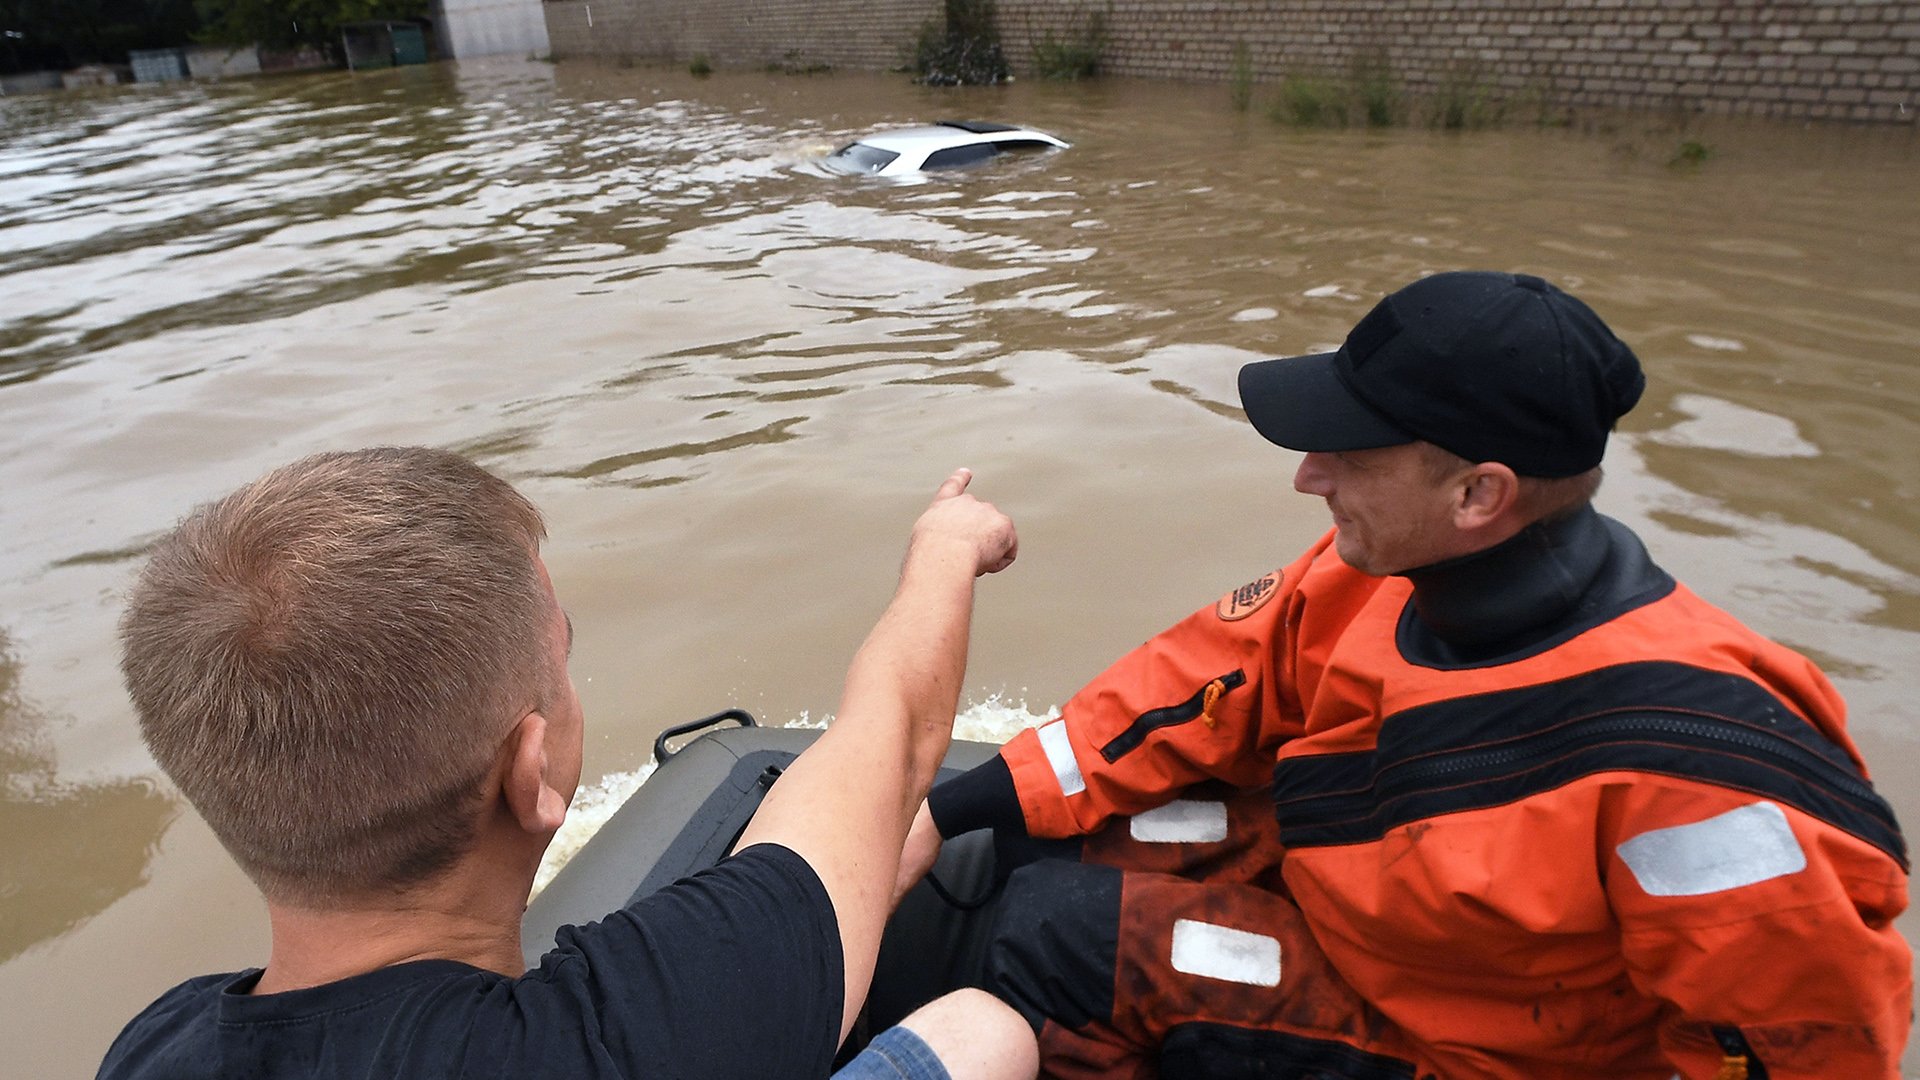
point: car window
(954, 156)
(862, 158)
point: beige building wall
(1828, 59)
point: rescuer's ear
(1483, 495)
(535, 803)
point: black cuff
(981, 798)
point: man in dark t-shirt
(355, 668)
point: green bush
(962, 50)
(284, 24)
(700, 66)
(1310, 101)
(1077, 57)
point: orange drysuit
(1617, 836)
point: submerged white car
(945, 145)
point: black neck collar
(1500, 598)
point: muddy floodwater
(730, 379)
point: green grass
(1465, 101)
(791, 63)
(1240, 77)
(1376, 94)
(1691, 152)
(1369, 93)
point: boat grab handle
(739, 716)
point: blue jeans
(895, 1054)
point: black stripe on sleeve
(1492, 749)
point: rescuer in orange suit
(1471, 789)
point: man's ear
(535, 804)
(1488, 492)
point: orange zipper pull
(1212, 695)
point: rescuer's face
(1390, 512)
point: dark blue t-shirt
(734, 972)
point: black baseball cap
(1490, 366)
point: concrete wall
(468, 28)
(222, 61)
(1836, 59)
(91, 75)
(31, 82)
(303, 58)
(197, 61)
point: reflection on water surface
(730, 378)
(67, 850)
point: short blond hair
(326, 660)
(1540, 498)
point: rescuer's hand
(922, 848)
(959, 521)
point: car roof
(947, 133)
(978, 127)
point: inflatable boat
(688, 814)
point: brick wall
(1828, 59)
(861, 34)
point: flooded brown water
(730, 380)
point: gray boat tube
(688, 814)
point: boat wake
(994, 720)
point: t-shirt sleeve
(736, 971)
(174, 1036)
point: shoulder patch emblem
(1248, 598)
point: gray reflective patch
(1221, 952)
(1053, 739)
(1182, 821)
(1740, 847)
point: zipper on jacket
(1778, 747)
(1737, 1061)
(1361, 794)
(1199, 705)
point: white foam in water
(993, 720)
(1722, 344)
(996, 720)
(592, 806)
